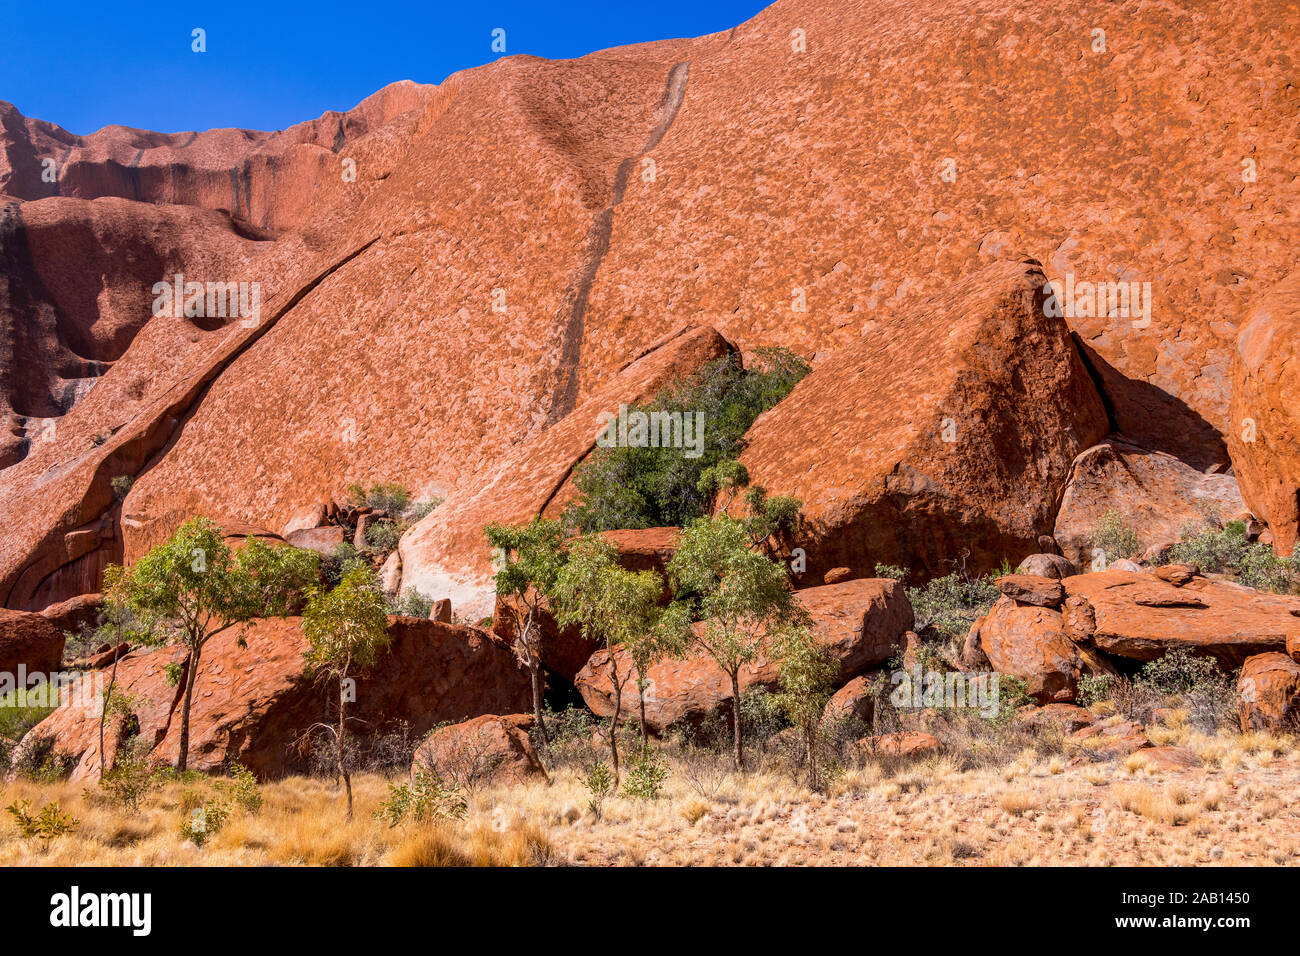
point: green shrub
(424, 800)
(600, 783)
(121, 485)
(1115, 538)
(1226, 551)
(383, 496)
(412, 603)
(646, 775)
(383, 535)
(345, 558)
(241, 789)
(948, 606)
(1094, 688)
(629, 487)
(131, 779)
(200, 823)
(48, 823)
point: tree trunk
(103, 714)
(535, 671)
(641, 685)
(533, 650)
(613, 720)
(192, 671)
(343, 770)
(737, 755)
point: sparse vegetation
(1226, 550)
(192, 587)
(632, 487)
(1115, 538)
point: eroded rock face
(1269, 693)
(861, 622)
(595, 261)
(253, 705)
(952, 429)
(1158, 496)
(488, 750)
(446, 554)
(30, 641)
(1141, 617)
(1264, 435)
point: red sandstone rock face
(252, 704)
(860, 622)
(446, 553)
(487, 750)
(1269, 693)
(75, 613)
(950, 428)
(1158, 495)
(1264, 435)
(1141, 617)
(28, 640)
(781, 177)
(1031, 643)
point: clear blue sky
(268, 65)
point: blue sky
(85, 65)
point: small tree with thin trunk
(195, 587)
(529, 560)
(346, 629)
(740, 597)
(615, 606)
(808, 672)
(118, 625)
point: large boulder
(253, 704)
(75, 613)
(1158, 495)
(1264, 432)
(1269, 693)
(29, 641)
(1141, 617)
(861, 623)
(951, 428)
(488, 750)
(1030, 642)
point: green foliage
(807, 677)
(769, 516)
(600, 784)
(383, 535)
(199, 823)
(609, 603)
(1115, 538)
(1094, 688)
(949, 605)
(1179, 672)
(347, 626)
(121, 485)
(19, 714)
(45, 825)
(241, 789)
(891, 571)
(528, 555)
(1013, 693)
(382, 496)
(1226, 551)
(412, 603)
(344, 559)
(646, 775)
(194, 581)
(424, 800)
(631, 487)
(131, 779)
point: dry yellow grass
(1035, 810)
